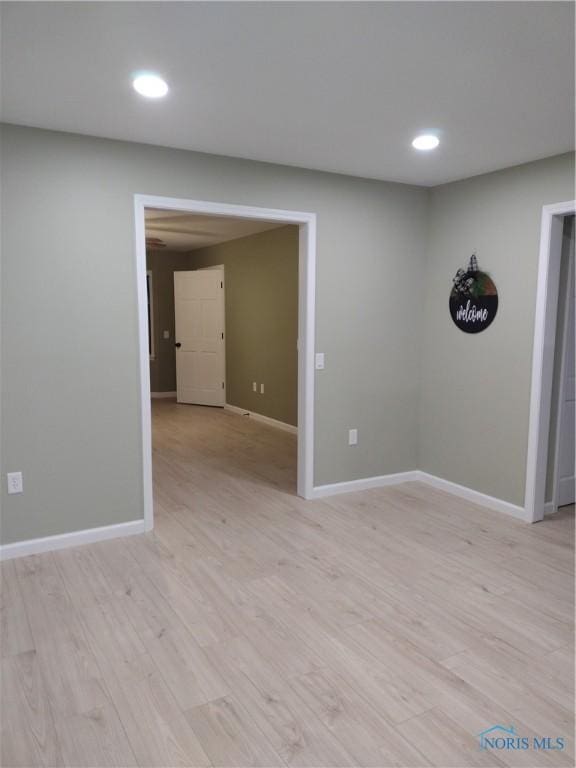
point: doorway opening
(217, 372)
(550, 462)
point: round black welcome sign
(473, 299)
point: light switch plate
(319, 361)
(352, 437)
(166, 334)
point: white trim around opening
(306, 326)
(151, 330)
(543, 356)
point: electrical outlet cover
(15, 482)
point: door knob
(178, 344)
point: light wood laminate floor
(381, 628)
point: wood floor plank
(355, 722)
(94, 738)
(15, 630)
(47, 604)
(87, 729)
(293, 729)
(444, 742)
(396, 695)
(169, 571)
(185, 667)
(534, 708)
(165, 637)
(230, 737)
(276, 642)
(71, 675)
(28, 733)
(156, 727)
(106, 625)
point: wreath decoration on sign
(473, 299)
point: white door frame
(561, 390)
(306, 326)
(543, 355)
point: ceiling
(181, 231)
(333, 86)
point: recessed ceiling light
(149, 85)
(425, 142)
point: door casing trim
(306, 326)
(543, 356)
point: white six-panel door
(199, 314)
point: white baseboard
(417, 475)
(162, 394)
(549, 508)
(363, 484)
(470, 495)
(264, 419)
(64, 540)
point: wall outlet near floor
(261, 389)
(254, 387)
(352, 437)
(15, 482)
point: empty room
(292, 482)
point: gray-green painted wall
(70, 394)
(476, 388)
(163, 264)
(261, 280)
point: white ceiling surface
(332, 86)
(182, 231)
